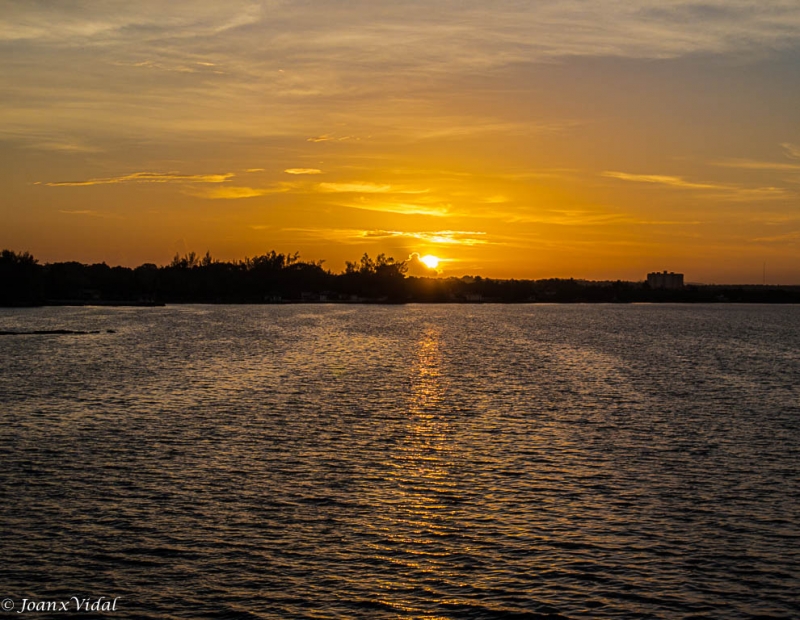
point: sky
(596, 139)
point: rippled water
(405, 461)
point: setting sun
(431, 262)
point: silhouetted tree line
(277, 278)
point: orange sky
(553, 139)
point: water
(407, 461)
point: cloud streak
(303, 171)
(355, 188)
(725, 191)
(661, 179)
(148, 177)
(752, 164)
(441, 237)
(400, 208)
(205, 67)
(329, 138)
(504, 31)
(84, 212)
(230, 192)
(792, 150)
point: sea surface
(420, 461)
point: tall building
(665, 279)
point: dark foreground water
(393, 462)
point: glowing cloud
(355, 188)
(661, 180)
(328, 138)
(751, 164)
(227, 192)
(792, 150)
(442, 237)
(726, 192)
(418, 267)
(401, 208)
(149, 177)
(87, 212)
(303, 171)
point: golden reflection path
(420, 532)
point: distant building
(665, 279)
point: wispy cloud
(661, 179)
(329, 138)
(303, 171)
(508, 29)
(64, 146)
(436, 128)
(544, 173)
(366, 187)
(792, 150)
(340, 60)
(782, 238)
(148, 177)
(356, 188)
(210, 186)
(86, 212)
(441, 237)
(752, 164)
(559, 217)
(716, 190)
(401, 208)
(229, 192)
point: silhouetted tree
(20, 279)
(276, 276)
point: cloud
(661, 179)
(355, 188)
(560, 217)
(792, 150)
(254, 170)
(441, 237)
(228, 192)
(502, 32)
(722, 191)
(83, 212)
(401, 208)
(445, 127)
(207, 67)
(419, 269)
(329, 138)
(303, 171)
(104, 22)
(148, 177)
(783, 238)
(63, 146)
(210, 186)
(365, 187)
(751, 164)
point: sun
(431, 262)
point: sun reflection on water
(421, 532)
